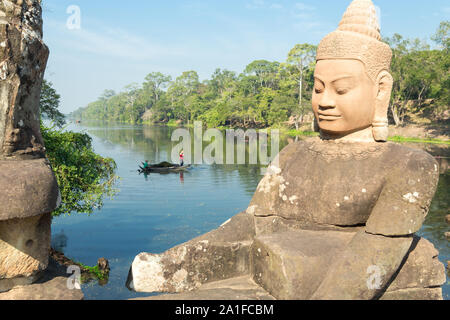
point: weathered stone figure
(335, 217)
(28, 189)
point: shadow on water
(155, 212)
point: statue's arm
(369, 262)
(220, 254)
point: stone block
(291, 265)
(28, 188)
(239, 288)
(422, 269)
(220, 254)
(188, 266)
(52, 285)
(24, 249)
(414, 294)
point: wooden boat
(163, 167)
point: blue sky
(120, 42)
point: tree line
(271, 93)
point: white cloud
(305, 17)
(255, 4)
(261, 4)
(307, 25)
(112, 42)
(276, 6)
(304, 7)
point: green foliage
(442, 36)
(420, 73)
(84, 177)
(270, 93)
(89, 272)
(49, 104)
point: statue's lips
(329, 116)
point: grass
(294, 133)
(95, 271)
(172, 123)
(418, 140)
(88, 273)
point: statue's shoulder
(410, 167)
(411, 159)
(294, 151)
(299, 146)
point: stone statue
(336, 216)
(29, 191)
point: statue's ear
(384, 85)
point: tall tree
(49, 104)
(302, 56)
(442, 35)
(155, 82)
(265, 71)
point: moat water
(156, 212)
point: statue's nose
(327, 101)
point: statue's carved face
(343, 97)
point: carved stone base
(221, 254)
(414, 294)
(28, 188)
(239, 288)
(8, 284)
(51, 286)
(24, 249)
(421, 277)
(291, 266)
(244, 288)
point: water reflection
(59, 241)
(147, 175)
(182, 177)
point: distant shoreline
(433, 133)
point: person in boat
(181, 158)
(146, 165)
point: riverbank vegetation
(99, 272)
(277, 94)
(84, 177)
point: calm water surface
(155, 213)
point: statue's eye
(342, 91)
(318, 87)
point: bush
(84, 177)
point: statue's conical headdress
(358, 37)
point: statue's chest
(339, 192)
